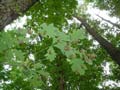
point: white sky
(17, 23)
(102, 13)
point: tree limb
(112, 51)
(114, 24)
(11, 9)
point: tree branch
(114, 24)
(112, 51)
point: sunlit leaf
(78, 66)
(51, 55)
(77, 35)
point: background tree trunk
(112, 51)
(11, 9)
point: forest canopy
(60, 46)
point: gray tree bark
(11, 9)
(111, 50)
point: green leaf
(36, 81)
(9, 55)
(51, 55)
(69, 51)
(6, 41)
(38, 65)
(78, 66)
(77, 35)
(48, 30)
(44, 73)
(63, 36)
(19, 55)
(61, 45)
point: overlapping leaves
(64, 42)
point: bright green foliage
(61, 46)
(77, 34)
(50, 54)
(62, 36)
(49, 30)
(19, 54)
(78, 66)
(12, 56)
(5, 41)
(61, 40)
(56, 51)
(9, 42)
(59, 57)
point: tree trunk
(61, 81)
(112, 51)
(11, 9)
